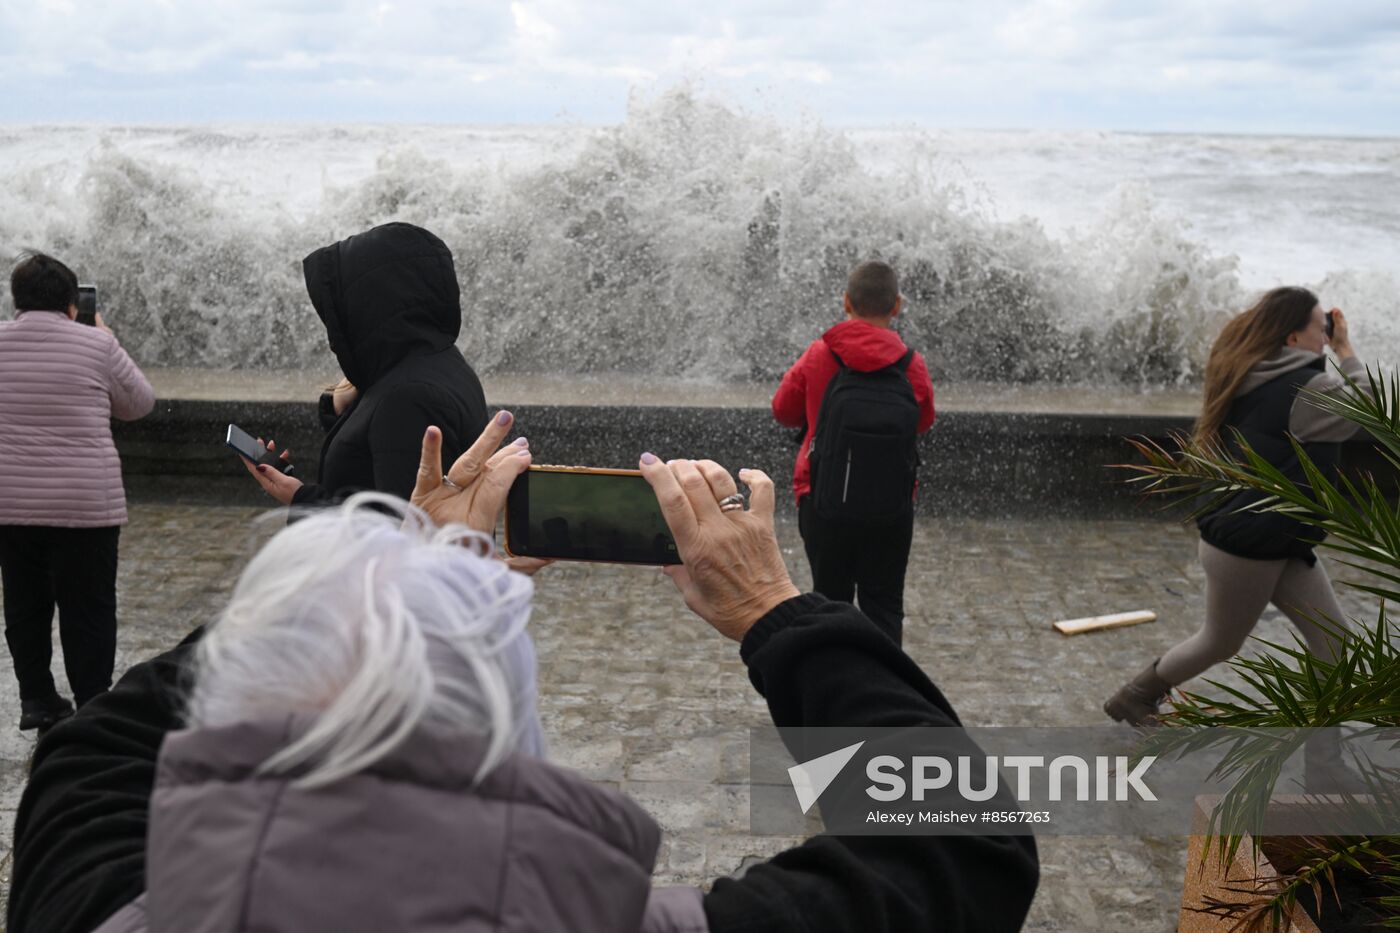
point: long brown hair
(1250, 337)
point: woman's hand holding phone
(474, 493)
(274, 482)
(733, 571)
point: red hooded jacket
(864, 347)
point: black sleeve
(820, 663)
(396, 434)
(80, 833)
(313, 494)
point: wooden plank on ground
(1095, 623)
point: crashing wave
(692, 240)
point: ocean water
(695, 241)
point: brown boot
(1136, 702)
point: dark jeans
(75, 569)
(865, 563)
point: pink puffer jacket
(61, 383)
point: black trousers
(859, 563)
(74, 569)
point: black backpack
(864, 454)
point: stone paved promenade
(639, 694)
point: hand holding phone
(587, 514)
(473, 491)
(1339, 334)
(734, 571)
(255, 452)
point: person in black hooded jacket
(391, 306)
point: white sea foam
(696, 240)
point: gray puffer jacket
(1307, 421)
(408, 845)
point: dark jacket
(1271, 410)
(81, 832)
(390, 302)
(864, 347)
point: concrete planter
(1206, 876)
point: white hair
(376, 623)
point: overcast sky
(1251, 66)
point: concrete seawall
(974, 463)
(994, 451)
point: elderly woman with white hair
(353, 745)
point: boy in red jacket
(849, 557)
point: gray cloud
(1242, 66)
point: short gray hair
(376, 623)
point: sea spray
(691, 241)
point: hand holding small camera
(1339, 337)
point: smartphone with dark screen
(583, 513)
(87, 305)
(247, 447)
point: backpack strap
(902, 364)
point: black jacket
(823, 663)
(81, 829)
(390, 302)
(1261, 417)
(80, 834)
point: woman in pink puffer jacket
(62, 504)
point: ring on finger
(733, 502)
(448, 482)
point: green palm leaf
(1286, 687)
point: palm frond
(1286, 689)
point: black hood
(384, 295)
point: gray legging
(1237, 591)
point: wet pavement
(638, 694)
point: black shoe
(43, 712)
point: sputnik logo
(810, 778)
